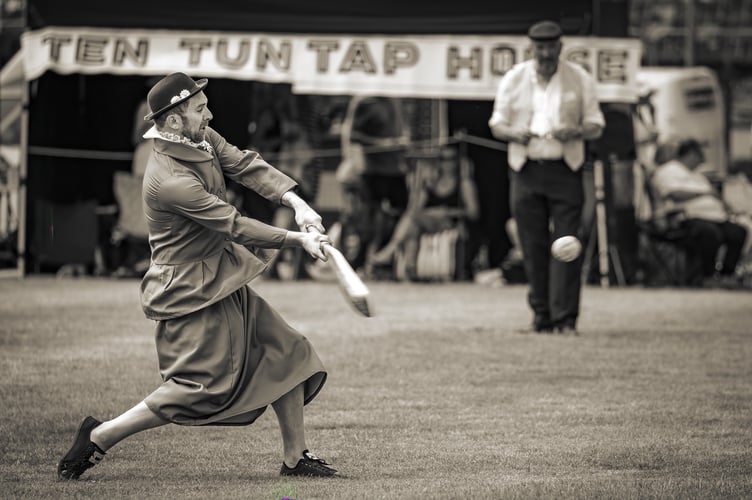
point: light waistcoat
(514, 106)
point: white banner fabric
(425, 66)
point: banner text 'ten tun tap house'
(425, 66)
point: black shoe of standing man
(566, 327)
(541, 324)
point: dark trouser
(704, 239)
(546, 199)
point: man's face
(196, 117)
(546, 55)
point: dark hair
(177, 110)
(689, 146)
(664, 152)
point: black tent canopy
(95, 112)
(323, 16)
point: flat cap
(544, 31)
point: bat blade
(355, 291)
(352, 286)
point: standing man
(546, 108)
(224, 354)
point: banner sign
(425, 66)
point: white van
(684, 102)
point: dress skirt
(225, 363)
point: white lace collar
(153, 133)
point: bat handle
(311, 227)
(326, 248)
(325, 245)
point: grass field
(436, 396)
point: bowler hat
(544, 31)
(171, 91)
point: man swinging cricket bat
(224, 353)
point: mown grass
(436, 396)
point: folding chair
(131, 232)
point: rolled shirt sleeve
(591, 106)
(500, 113)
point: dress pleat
(225, 363)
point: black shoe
(567, 330)
(566, 327)
(309, 465)
(83, 454)
(541, 324)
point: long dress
(225, 363)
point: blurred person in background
(130, 234)
(705, 218)
(372, 174)
(441, 194)
(278, 132)
(545, 108)
(224, 353)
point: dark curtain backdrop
(95, 112)
(322, 16)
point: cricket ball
(566, 248)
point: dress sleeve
(186, 196)
(249, 169)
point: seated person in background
(372, 174)
(707, 220)
(130, 236)
(440, 194)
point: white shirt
(569, 99)
(546, 97)
(674, 176)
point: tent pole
(601, 223)
(22, 185)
